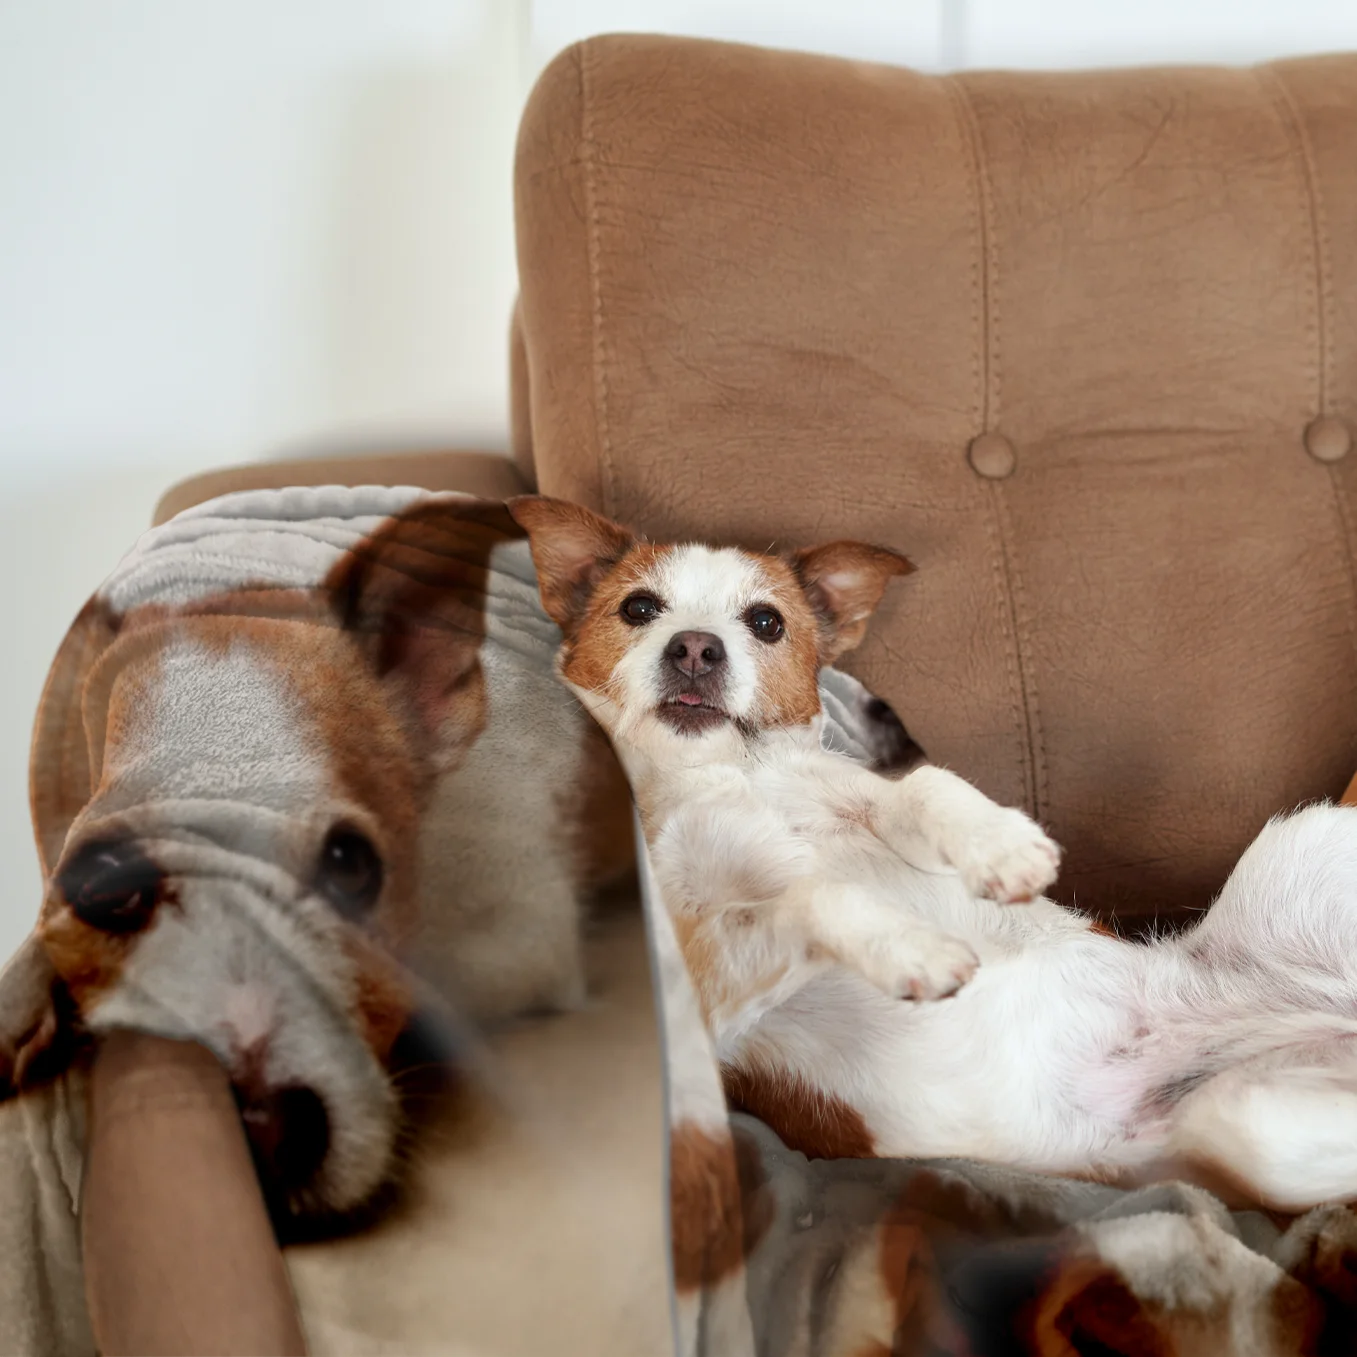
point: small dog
(810, 896)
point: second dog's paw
(1010, 859)
(918, 963)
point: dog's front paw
(1008, 858)
(917, 962)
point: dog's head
(239, 865)
(684, 651)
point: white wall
(234, 230)
(229, 231)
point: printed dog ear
(39, 1033)
(844, 582)
(414, 594)
(572, 549)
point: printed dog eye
(640, 609)
(349, 874)
(765, 623)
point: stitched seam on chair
(1321, 325)
(600, 353)
(979, 274)
(1022, 628)
(1021, 690)
(1319, 238)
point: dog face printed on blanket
(810, 896)
(244, 871)
(233, 797)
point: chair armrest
(488, 474)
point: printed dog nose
(112, 886)
(695, 652)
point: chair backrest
(1083, 345)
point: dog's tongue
(690, 699)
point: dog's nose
(112, 886)
(695, 652)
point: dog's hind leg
(1286, 1136)
(1291, 900)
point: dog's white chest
(748, 833)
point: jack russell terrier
(811, 896)
(302, 775)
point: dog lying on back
(811, 897)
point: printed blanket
(306, 790)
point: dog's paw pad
(921, 967)
(1013, 860)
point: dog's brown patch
(383, 998)
(719, 1203)
(909, 1275)
(1087, 1307)
(788, 690)
(90, 962)
(702, 939)
(572, 549)
(844, 582)
(808, 1120)
(60, 778)
(117, 684)
(413, 595)
(598, 637)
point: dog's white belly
(1019, 1067)
(1068, 1050)
(1072, 1055)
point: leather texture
(769, 296)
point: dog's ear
(39, 1032)
(572, 550)
(414, 595)
(844, 582)
(63, 765)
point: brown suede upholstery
(771, 296)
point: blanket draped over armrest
(276, 676)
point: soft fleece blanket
(769, 1254)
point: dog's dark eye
(640, 609)
(765, 623)
(349, 874)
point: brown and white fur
(303, 775)
(811, 897)
(285, 769)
